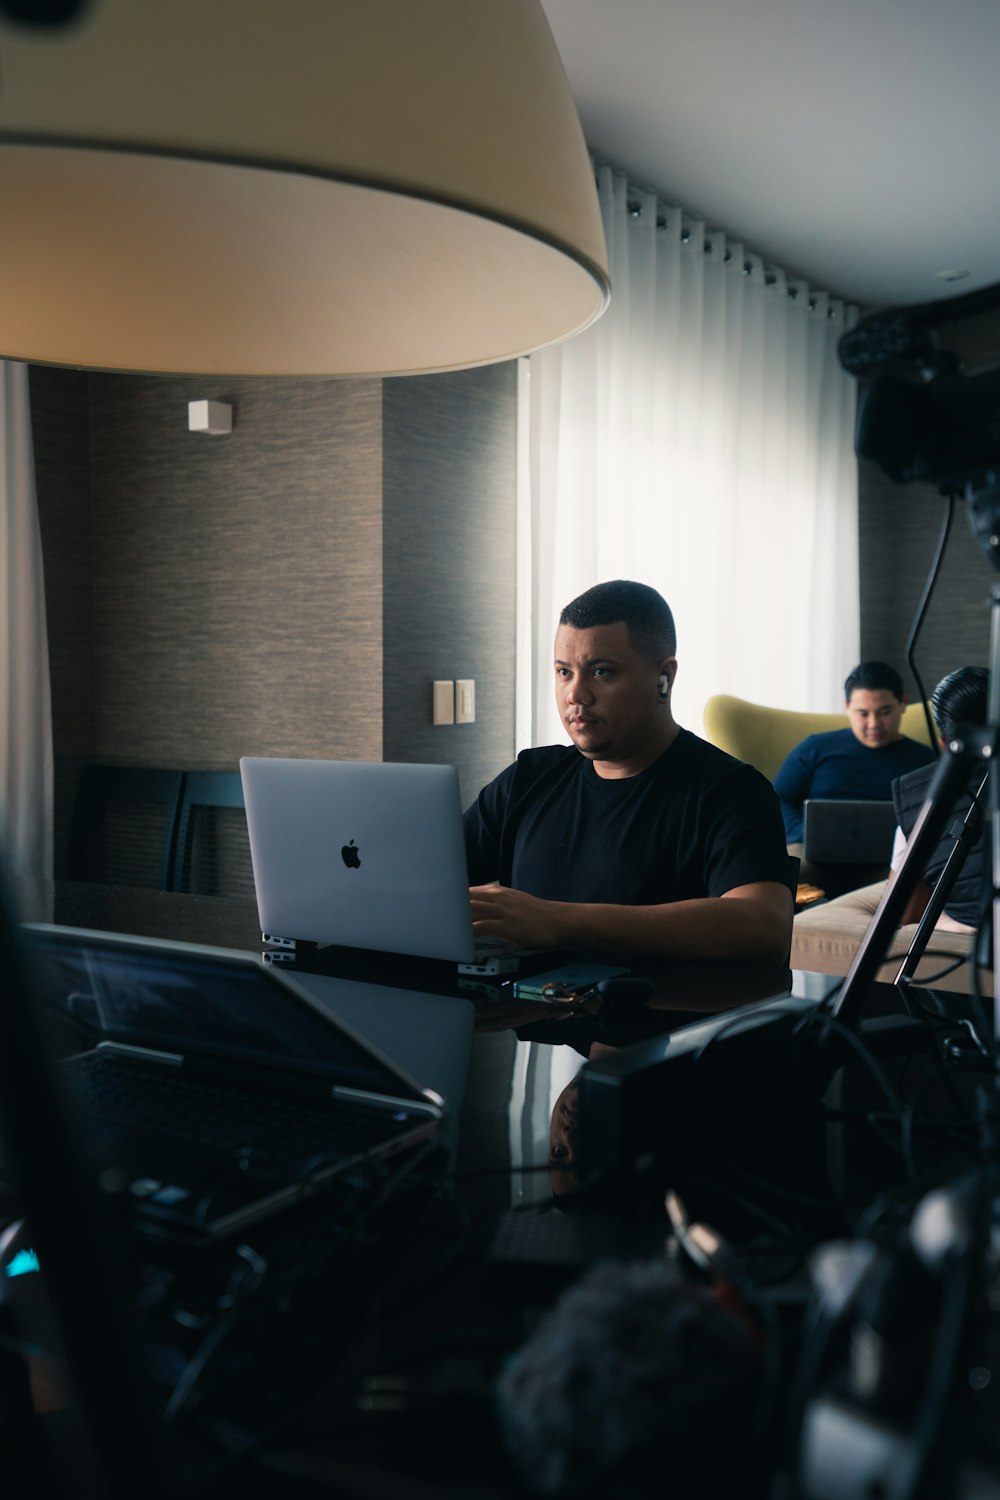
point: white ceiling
(853, 142)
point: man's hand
(514, 917)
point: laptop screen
(843, 831)
(191, 1003)
(361, 854)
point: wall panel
(449, 537)
(292, 588)
(237, 580)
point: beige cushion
(826, 939)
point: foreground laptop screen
(228, 1008)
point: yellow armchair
(764, 736)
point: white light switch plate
(444, 703)
(465, 700)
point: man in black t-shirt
(640, 837)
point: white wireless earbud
(664, 686)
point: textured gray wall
(238, 599)
(448, 519)
(216, 596)
(899, 527)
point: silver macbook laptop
(841, 832)
(359, 853)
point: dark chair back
(212, 851)
(124, 826)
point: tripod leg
(971, 826)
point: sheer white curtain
(25, 705)
(698, 438)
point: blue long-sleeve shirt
(837, 765)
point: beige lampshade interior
(316, 187)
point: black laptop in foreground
(220, 1089)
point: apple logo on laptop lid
(351, 856)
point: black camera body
(930, 409)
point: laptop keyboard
(227, 1119)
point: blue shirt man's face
(875, 716)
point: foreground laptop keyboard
(224, 1118)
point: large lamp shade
(292, 187)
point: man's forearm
(709, 928)
(752, 922)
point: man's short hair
(874, 677)
(960, 698)
(646, 614)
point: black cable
(253, 1313)
(765, 1184)
(875, 1121)
(746, 1018)
(952, 1027)
(754, 1210)
(865, 1053)
(925, 981)
(196, 1364)
(905, 1114)
(909, 1120)
(749, 1206)
(921, 610)
(864, 1226)
(243, 1443)
(906, 1120)
(942, 1021)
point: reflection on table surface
(517, 1147)
(661, 995)
(554, 1041)
(679, 988)
(524, 1055)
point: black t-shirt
(694, 823)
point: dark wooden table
(399, 1381)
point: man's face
(875, 715)
(562, 1140)
(608, 695)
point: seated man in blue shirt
(858, 763)
(638, 838)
